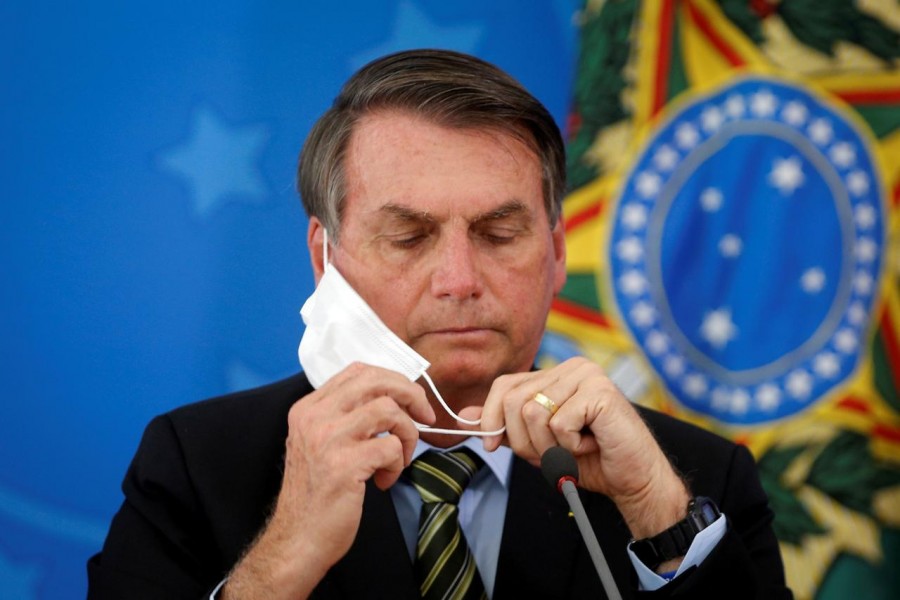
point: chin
(463, 374)
(470, 372)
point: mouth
(466, 336)
(452, 330)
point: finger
(359, 383)
(526, 428)
(492, 415)
(576, 378)
(470, 413)
(573, 424)
(385, 459)
(379, 416)
(537, 423)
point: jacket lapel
(377, 564)
(542, 554)
(540, 541)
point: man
(434, 185)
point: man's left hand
(617, 454)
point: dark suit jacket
(204, 478)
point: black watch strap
(675, 541)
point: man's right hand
(333, 448)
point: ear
(559, 249)
(315, 235)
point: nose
(456, 274)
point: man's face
(445, 235)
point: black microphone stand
(560, 469)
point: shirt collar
(499, 461)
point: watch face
(705, 510)
(709, 512)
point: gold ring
(546, 402)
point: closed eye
(410, 241)
(501, 237)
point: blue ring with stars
(746, 250)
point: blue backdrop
(152, 245)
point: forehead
(403, 159)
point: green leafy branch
(819, 24)
(792, 520)
(847, 471)
(599, 83)
(844, 469)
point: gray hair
(447, 88)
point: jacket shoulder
(671, 431)
(276, 397)
(236, 433)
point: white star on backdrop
(794, 113)
(643, 314)
(711, 199)
(846, 341)
(717, 328)
(827, 365)
(412, 28)
(858, 183)
(863, 283)
(730, 246)
(740, 401)
(648, 184)
(799, 384)
(865, 216)
(768, 397)
(633, 283)
(634, 216)
(820, 131)
(787, 175)
(763, 104)
(219, 162)
(630, 250)
(866, 250)
(695, 385)
(665, 158)
(686, 136)
(711, 119)
(657, 343)
(842, 154)
(735, 106)
(856, 314)
(813, 280)
(674, 366)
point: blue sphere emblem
(746, 250)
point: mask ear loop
(450, 412)
(324, 248)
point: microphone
(561, 470)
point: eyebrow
(406, 213)
(507, 209)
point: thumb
(470, 413)
(473, 413)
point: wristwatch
(675, 541)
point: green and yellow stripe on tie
(445, 568)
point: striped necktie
(445, 568)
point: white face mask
(341, 328)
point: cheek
(396, 301)
(526, 289)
